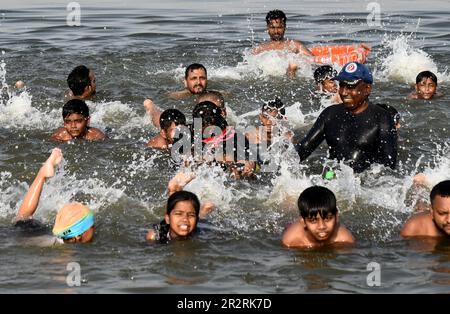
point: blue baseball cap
(353, 72)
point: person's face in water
(354, 96)
(329, 86)
(182, 219)
(268, 118)
(76, 124)
(426, 88)
(321, 229)
(196, 81)
(276, 29)
(85, 237)
(441, 213)
(169, 133)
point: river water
(139, 49)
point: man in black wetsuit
(356, 131)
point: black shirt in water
(361, 139)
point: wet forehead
(441, 203)
(184, 206)
(276, 23)
(196, 73)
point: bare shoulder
(294, 235)
(158, 142)
(61, 134)
(179, 94)
(419, 224)
(261, 48)
(95, 134)
(344, 235)
(299, 47)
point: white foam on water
(9, 194)
(121, 118)
(3, 74)
(295, 116)
(264, 65)
(210, 185)
(63, 188)
(404, 62)
(441, 170)
(18, 113)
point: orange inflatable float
(340, 54)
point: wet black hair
(323, 73)
(275, 104)
(192, 67)
(317, 200)
(78, 79)
(442, 189)
(276, 15)
(210, 115)
(75, 106)
(392, 111)
(180, 196)
(426, 74)
(171, 115)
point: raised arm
(31, 199)
(153, 111)
(179, 181)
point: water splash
(404, 62)
(59, 190)
(121, 118)
(440, 170)
(18, 113)
(264, 65)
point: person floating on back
(74, 222)
(426, 86)
(434, 222)
(76, 123)
(82, 84)
(169, 120)
(318, 224)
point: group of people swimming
(356, 131)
